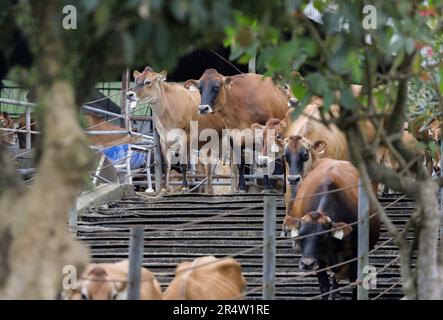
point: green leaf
(347, 99)
(409, 45)
(317, 83)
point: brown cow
(94, 122)
(241, 100)
(300, 143)
(9, 138)
(174, 108)
(312, 216)
(108, 281)
(22, 136)
(206, 278)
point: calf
(108, 281)
(206, 278)
(322, 217)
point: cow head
(98, 286)
(147, 86)
(9, 138)
(212, 86)
(320, 239)
(272, 142)
(299, 156)
(435, 129)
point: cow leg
(184, 170)
(165, 188)
(241, 178)
(335, 295)
(324, 282)
(353, 277)
(267, 183)
(208, 169)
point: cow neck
(163, 114)
(232, 120)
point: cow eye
(146, 81)
(278, 136)
(305, 155)
(216, 88)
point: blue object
(118, 155)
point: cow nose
(307, 263)
(293, 103)
(130, 95)
(262, 161)
(294, 178)
(204, 108)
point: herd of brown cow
(321, 183)
(315, 157)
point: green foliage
(339, 50)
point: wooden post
(363, 239)
(135, 263)
(269, 227)
(28, 128)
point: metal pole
(28, 128)
(157, 160)
(251, 64)
(135, 263)
(148, 172)
(128, 165)
(363, 239)
(269, 227)
(72, 217)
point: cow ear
(319, 146)
(6, 116)
(343, 231)
(190, 83)
(228, 81)
(136, 74)
(163, 74)
(257, 126)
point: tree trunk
(427, 267)
(35, 241)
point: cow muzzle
(131, 96)
(262, 161)
(293, 103)
(308, 264)
(293, 179)
(205, 109)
